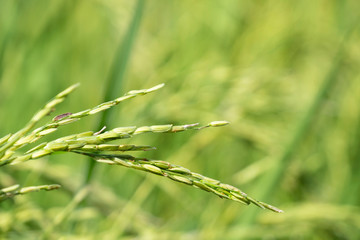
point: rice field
(283, 74)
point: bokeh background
(284, 73)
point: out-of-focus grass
(257, 64)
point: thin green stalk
(121, 60)
(117, 72)
(7, 32)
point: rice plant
(97, 146)
(285, 74)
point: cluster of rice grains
(97, 146)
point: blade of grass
(270, 182)
(8, 31)
(117, 73)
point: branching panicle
(97, 146)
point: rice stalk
(93, 142)
(183, 175)
(95, 145)
(12, 191)
(69, 118)
(19, 139)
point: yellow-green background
(284, 73)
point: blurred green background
(284, 73)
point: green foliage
(285, 74)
